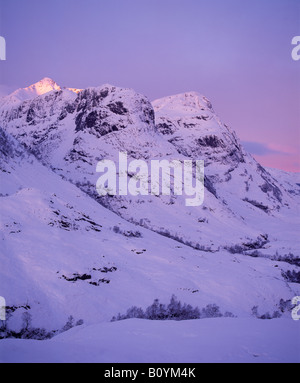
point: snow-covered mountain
(71, 132)
(67, 251)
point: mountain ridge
(71, 132)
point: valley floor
(224, 340)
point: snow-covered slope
(51, 233)
(290, 181)
(204, 341)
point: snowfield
(216, 340)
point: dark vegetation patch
(175, 310)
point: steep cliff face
(60, 119)
(189, 122)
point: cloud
(259, 149)
(274, 156)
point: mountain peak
(188, 102)
(44, 86)
(39, 88)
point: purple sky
(237, 53)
